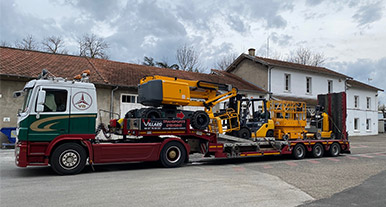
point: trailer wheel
(317, 150)
(68, 159)
(173, 154)
(200, 120)
(244, 133)
(334, 149)
(299, 151)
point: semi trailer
(56, 127)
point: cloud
(281, 39)
(368, 14)
(313, 2)
(237, 24)
(363, 70)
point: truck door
(54, 119)
(83, 111)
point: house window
(368, 102)
(287, 82)
(308, 85)
(330, 86)
(368, 124)
(129, 99)
(356, 124)
(356, 101)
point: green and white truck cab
(54, 107)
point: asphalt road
(347, 180)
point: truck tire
(68, 159)
(317, 150)
(299, 151)
(200, 120)
(173, 154)
(151, 113)
(334, 150)
(244, 133)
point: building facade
(362, 109)
(297, 82)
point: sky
(350, 33)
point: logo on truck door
(82, 100)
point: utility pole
(268, 46)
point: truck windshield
(27, 97)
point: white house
(297, 82)
(362, 108)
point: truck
(56, 127)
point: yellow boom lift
(165, 94)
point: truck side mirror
(16, 94)
(41, 100)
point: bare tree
(149, 61)
(164, 64)
(54, 44)
(92, 46)
(306, 57)
(187, 58)
(4, 43)
(225, 61)
(27, 43)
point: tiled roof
(279, 63)
(362, 85)
(24, 63)
(235, 80)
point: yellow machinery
(168, 93)
(320, 125)
(247, 118)
(289, 119)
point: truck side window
(56, 100)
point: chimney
(251, 51)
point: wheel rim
(334, 149)
(318, 150)
(173, 154)
(299, 151)
(69, 159)
(201, 119)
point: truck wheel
(299, 151)
(317, 150)
(318, 135)
(269, 133)
(68, 159)
(200, 120)
(244, 133)
(151, 113)
(334, 149)
(173, 154)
